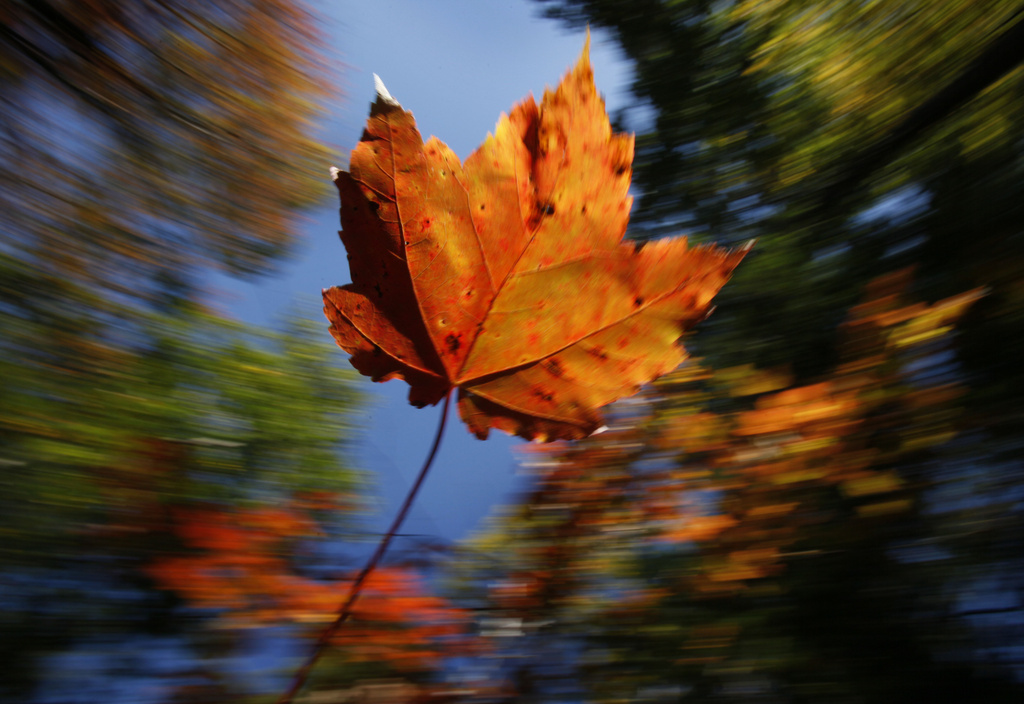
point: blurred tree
(739, 538)
(856, 537)
(188, 413)
(145, 141)
(851, 139)
(751, 116)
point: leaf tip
(584, 60)
(383, 96)
(334, 173)
(598, 431)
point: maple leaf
(508, 277)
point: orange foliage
(394, 621)
(237, 563)
(699, 528)
(744, 486)
(799, 440)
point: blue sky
(457, 65)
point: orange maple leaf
(508, 277)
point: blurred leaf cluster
(735, 536)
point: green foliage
(102, 449)
(229, 406)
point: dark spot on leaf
(621, 169)
(469, 293)
(638, 301)
(380, 293)
(482, 206)
(598, 352)
(583, 210)
(374, 206)
(453, 343)
(547, 208)
(542, 394)
(554, 367)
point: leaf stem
(353, 594)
